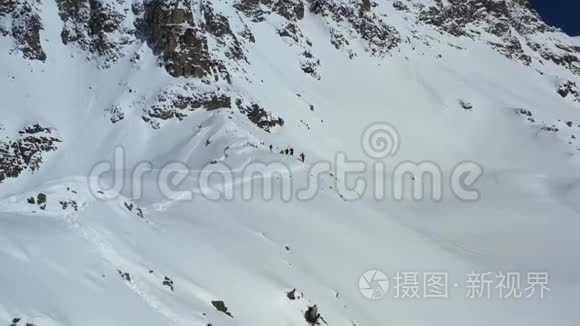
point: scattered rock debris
(40, 200)
(168, 282)
(570, 88)
(526, 113)
(294, 295)
(69, 203)
(138, 211)
(17, 320)
(125, 276)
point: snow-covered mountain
(112, 111)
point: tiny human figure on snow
(271, 148)
(286, 151)
(302, 157)
(291, 151)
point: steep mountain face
(224, 84)
(22, 22)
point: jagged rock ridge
(20, 20)
(26, 151)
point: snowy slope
(181, 81)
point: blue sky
(561, 13)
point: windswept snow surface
(110, 262)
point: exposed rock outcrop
(567, 56)
(293, 35)
(176, 102)
(513, 28)
(221, 307)
(179, 34)
(470, 18)
(312, 316)
(218, 25)
(20, 20)
(356, 19)
(169, 30)
(292, 10)
(98, 27)
(115, 113)
(26, 151)
(570, 89)
(309, 64)
(259, 116)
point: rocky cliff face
(169, 30)
(20, 20)
(358, 21)
(97, 27)
(510, 27)
(292, 10)
(180, 31)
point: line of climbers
(290, 151)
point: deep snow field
(113, 258)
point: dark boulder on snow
(312, 316)
(466, 105)
(168, 282)
(570, 88)
(124, 275)
(221, 307)
(294, 295)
